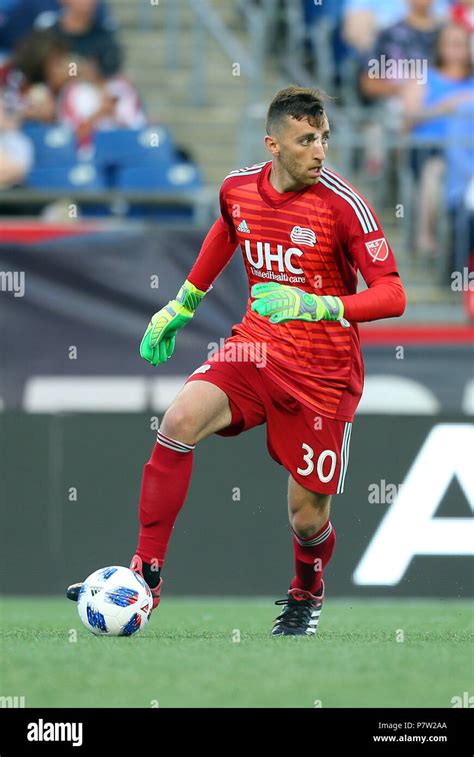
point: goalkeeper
(305, 233)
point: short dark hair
(33, 51)
(296, 102)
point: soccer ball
(114, 601)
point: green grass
(187, 657)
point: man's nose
(318, 152)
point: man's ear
(272, 145)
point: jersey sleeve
(385, 298)
(365, 241)
(215, 253)
(227, 215)
(217, 249)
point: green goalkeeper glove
(285, 303)
(159, 339)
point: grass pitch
(368, 653)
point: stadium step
(150, 13)
(167, 91)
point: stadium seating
(167, 177)
(126, 159)
(133, 147)
(53, 145)
(75, 176)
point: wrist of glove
(280, 303)
(158, 342)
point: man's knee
(180, 423)
(308, 511)
(306, 522)
(199, 410)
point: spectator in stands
(410, 40)
(43, 60)
(16, 151)
(88, 35)
(365, 19)
(102, 98)
(65, 88)
(428, 110)
(402, 50)
(93, 105)
(18, 17)
(459, 195)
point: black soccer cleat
(300, 614)
(73, 590)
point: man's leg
(314, 536)
(200, 409)
(313, 544)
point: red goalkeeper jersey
(315, 239)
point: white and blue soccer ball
(114, 601)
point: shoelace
(295, 612)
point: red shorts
(313, 448)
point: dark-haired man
(294, 361)
(90, 32)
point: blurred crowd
(60, 63)
(407, 65)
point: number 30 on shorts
(308, 458)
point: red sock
(165, 485)
(312, 554)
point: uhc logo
(300, 235)
(265, 257)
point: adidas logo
(243, 227)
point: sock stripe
(314, 541)
(169, 439)
(165, 441)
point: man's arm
(385, 298)
(159, 339)
(373, 256)
(216, 251)
(371, 252)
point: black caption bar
(114, 731)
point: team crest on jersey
(378, 249)
(300, 235)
